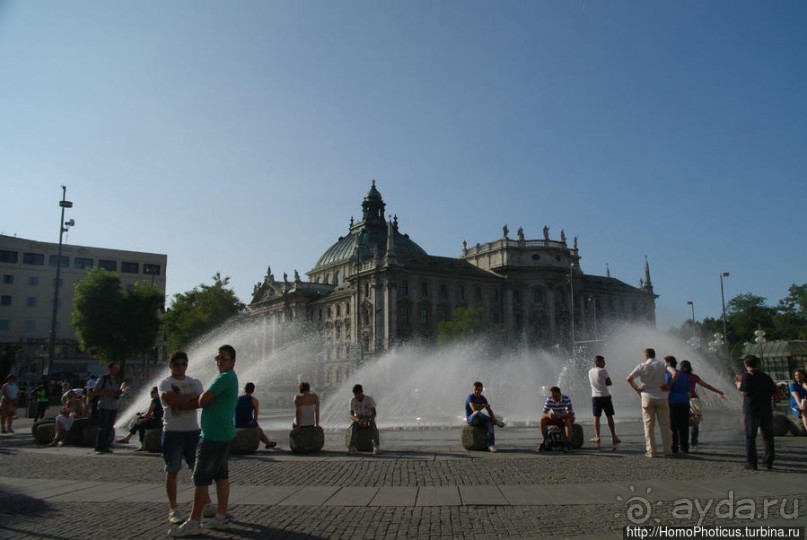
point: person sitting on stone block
(557, 412)
(363, 415)
(151, 419)
(72, 409)
(475, 407)
(246, 414)
(306, 408)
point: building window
(347, 309)
(478, 294)
(37, 259)
(29, 326)
(130, 267)
(338, 310)
(151, 269)
(33, 281)
(112, 266)
(538, 295)
(81, 263)
(337, 277)
(495, 294)
(7, 256)
(403, 290)
(129, 287)
(424, 316)
(52, 259)
(30, 301)
(404, 314)
(8, 279)
(460, 292)
(5, 324)
(443, 291)
(442, 314)
(5, 300)
(424, 289)
(61, 282)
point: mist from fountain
(419, 386)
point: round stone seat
(578, 435)
(246, 441)
(781, 424)
(475, 437)
(45, 431)
(152, 441)
(87, 434)
(306, 440)
(364, 439)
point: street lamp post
(63, 226)
(691, 304)
(723, 303)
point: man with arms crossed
(180, 397)
(218, 431)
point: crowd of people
(668, 393)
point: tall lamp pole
(723, 302)
(63, 226)
(691, 304)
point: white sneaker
(174, 517)
(209, 510)
(376, 450)
(189, 528)
(491, 449)
(500, 423)
(219, 523)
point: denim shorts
(179, 444)
(211, 462)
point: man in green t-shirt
(218, 431)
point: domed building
(376, 287)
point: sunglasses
(180, 364)
(222, 358)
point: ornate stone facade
(376, 287)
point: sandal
(595, 440)
(271, 444)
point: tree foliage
(112, 323)
(465, 322)
(198, 311)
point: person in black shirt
(758, 390)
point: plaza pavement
(424, 485)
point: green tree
(465, 322)
(791, 314)
(745, 313)
(198, 311)
(114, 324)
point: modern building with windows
(376, 287)
(27, 282)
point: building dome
(368, 237)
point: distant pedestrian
(679, 407)
(695, 408)
(655, 406)
(9, 394)
(42, 398)
(213, 453)
(601, 400)
(107, 392)
(758, 390)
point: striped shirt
(560, 407)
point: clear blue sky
(236, 135)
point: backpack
(554, 438)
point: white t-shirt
(364, 408)
(597, 376)
(186, 420)
(651, 372)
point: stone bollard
(364, 439)
(87, 434)
(781, 424)
(474, 437)
(152, 440)
(45, 431)
(246, 441)
(306, 440)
